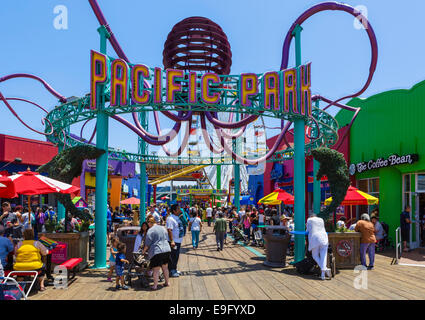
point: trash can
(128, 236)
(276, 243)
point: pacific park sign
(137, 84)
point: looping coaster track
(321, 128)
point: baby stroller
(11, 289)
(239, 236)
(258, 238)
(139, 267)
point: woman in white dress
(318, 243)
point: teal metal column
(218, 179)
(299, 161)
(102, 125)
(61, 208)
(237, 172)
(316, 183)
(143, 184)
(142, 192)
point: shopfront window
(407, 183)
(406, 190)
(421, 182)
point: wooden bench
(72, 264)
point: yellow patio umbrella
(277, 197)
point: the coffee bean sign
(392, 160)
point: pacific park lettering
(273, 91)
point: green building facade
(387, 154)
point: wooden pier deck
(239, 273)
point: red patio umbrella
(32, 183)
(132, 200)
(7, 188)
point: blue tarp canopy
(245, 200)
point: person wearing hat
(318, 243)
(367, 241)
(284, 221)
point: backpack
(40, 218)
(305, 266)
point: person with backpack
(184, 217)
(220, 228)
(39, 222)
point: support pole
(299, 161)
(143, 175)
(171, 191)
(317, 193)
(102, 125)
(218, 179)
(154, 193)
(237, 173)
(237, 186)
(61, 208)
(143, 185)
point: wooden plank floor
(238, 273)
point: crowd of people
(19, 248)
(161, 234)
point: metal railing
(397, 244)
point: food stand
(346, 245)
(200, 195)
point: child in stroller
(140, 268)
(239, 235)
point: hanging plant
(334, 166)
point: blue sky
(340, 53)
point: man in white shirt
(175, 237)
(209, 211)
